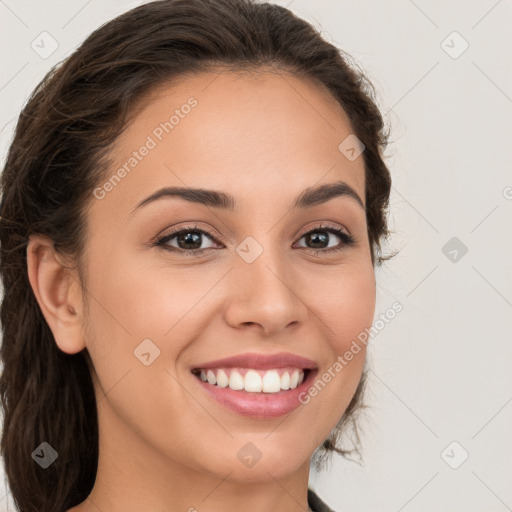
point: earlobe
(55, 288)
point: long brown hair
(59, 154)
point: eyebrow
(312, 196)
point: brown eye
(319, 239)
(188, 240)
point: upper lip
(260, 361)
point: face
(176, 284)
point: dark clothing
(316, 504)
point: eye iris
(189, 237)
(316, 236)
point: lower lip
(258, 405)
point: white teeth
(285, 381)
(271, 382)
(210, 375)
(253, 381)
(222, 379)
(236, 381)
(294, 379)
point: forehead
(246, 133)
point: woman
(192, 208)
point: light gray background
(441, 369)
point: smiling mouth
(251, 380)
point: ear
(57, 291)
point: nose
(265, 296)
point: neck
(132, 476)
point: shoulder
(316, 504)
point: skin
(164, 444)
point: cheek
(138, 300)
(132, 302)
(345, 312)
(345, 304)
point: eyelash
(347, 240)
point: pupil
(189, 238)
(315, 237)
